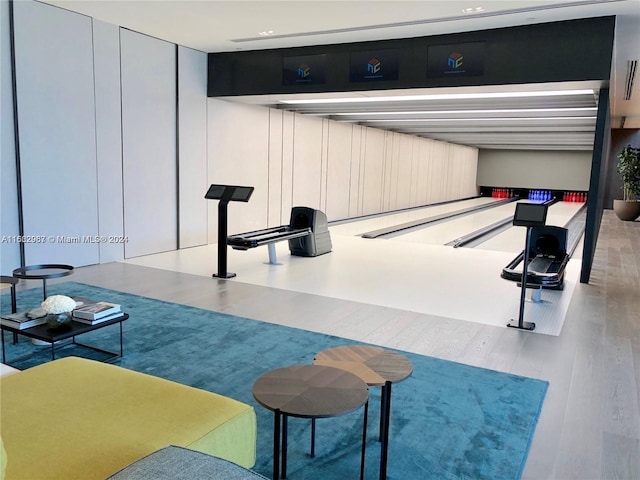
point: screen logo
(374, 65)
(455, 60)
(459, 60)
(304, 70)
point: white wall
(149, 144)
(192, 153)
(56, 118)
(106, 52)
(9, 250)
(559, 170)
(342, 169)
(72, 139)
(239, 155)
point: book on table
(22, 320)
(97, 320)
(96, 311)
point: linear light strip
(436, 112)
(494, 119)
(444, 96)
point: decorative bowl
(57, 321)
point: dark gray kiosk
(307, 233)
(318, 241)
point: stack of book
(22, 320)
(97, 312)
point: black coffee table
(74, 329)
(309, 391)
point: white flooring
(462, 283)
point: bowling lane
(447, 231)
(512, 240)
(358, 227)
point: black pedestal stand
(520, 323)
(226, 194)
(222, 240)
(527, 215)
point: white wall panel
(288, 141)
(324, 164)
(394, 182)
(389, 138)
(307, 161)
(149, 143)
(239, 155)
(339, 170)
(274, 200)
(192, 147)
(437, 172)
(9, 250)
(373, 174)
(404, 177)
(343, 169)
(422, 173)
(106, 53)
(356, 170)
(55, 88)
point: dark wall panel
(552, 52)
(595, 202)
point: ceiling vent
(632, 66)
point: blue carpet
(448, 420)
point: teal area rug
(448, 420)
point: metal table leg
(384, 448)
(276, 444)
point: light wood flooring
(590, 423)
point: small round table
(44, 273)
(377, 367)
(309, 391)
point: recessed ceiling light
(473, 10)
(466, 112)
(266, 33)
(485, 119)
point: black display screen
(304, 70)
(530, 214)
(374, 65)
(456, 60)
(232, 193)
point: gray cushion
(177, 463)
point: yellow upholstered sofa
(79, 419)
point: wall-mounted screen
(304, 70)
(374, 65)
(456, 60)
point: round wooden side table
(377, 367)
(309, 391)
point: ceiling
(554, 122)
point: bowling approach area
(414, 269)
